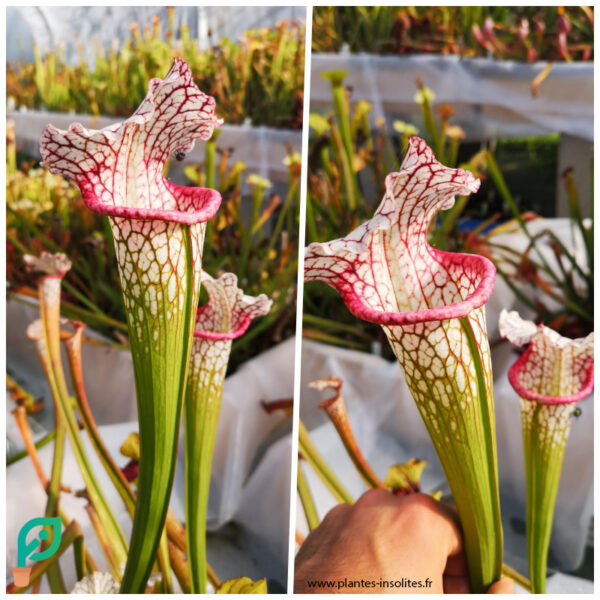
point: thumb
(502, 586)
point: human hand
(386, 544)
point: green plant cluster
(565, 286)
(525, 33)
(259, 78)
(349, 158)
(254, 236)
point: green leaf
(319, 123)
(406, 476)
(160, 333)
(243, 585)
(202, 406)
(545, 432)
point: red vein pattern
(386, 271)
(119, 169)
(229, 312)
(553, 369)
(52, 265)
(158, 230)
(429, 304)
(550, 376)
(225, 317)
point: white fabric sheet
(261, 149)
(492, 98)
(250, 481)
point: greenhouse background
(491, 83)
(48, 26)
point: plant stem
(105, 544)
(97, 499)
(31, 451)
(79, 555)
(73, 347)
(52, 488)
(395, 165)
(49, 353)
(202, 408)
(161, 342)
(311, 228)
(210, 164)
(489, 551)
(516, 577)
(20, 415)
(210, 160)
(309, 453)
(293, 189)
(347, 170)
(164, 563)
(336, 411)
(306, 499)
(72, 311)
(38, 445)
(544, 442)
(429, 121)
(178, 538)
(180, 568)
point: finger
(457, 566)
(377, 497)
(437, 525)
(503, 586)
(325, 533)
(445, 523)
(456, 585)
(451, 516)
(336, 514)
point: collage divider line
(299, 299)
(3, 419)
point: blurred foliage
(243, 585)
(253, 236)
(261, 77)
(348, 160)
(560, 291)
(517, 158)
(525, 33)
